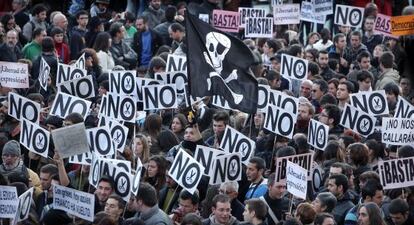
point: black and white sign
(349, 16)
(280, 121)
(303, 160)
(70, 140)
(372, 102)
(259, 27)
(77, 203)
(82, 87)
(404, 109)
(137, 178)
(234, 141)
(397, 131)
(318, 134)
(34, 138)
(186, 171)
(118, 170)
(119, 133)
(82, 159)
(282, 100)
(250, 12)
(143, 82)
(65, 104)
(80, 63)
(396, 173)
(8, 201)
(357, 120)
(25, 203)
(23, 108)
(44, 72)
(178, 78)
(206, 156)
(100, 141)
(263, 97)
(160, 97)
(68, 72)
(176, 63)
(226, 168)
(294, 67)
(119, 107)
(122, 82)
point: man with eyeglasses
(221, 212)
(331, 115)
(77, 34)
(275, 200)
(231, 189)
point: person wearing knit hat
(11, 159)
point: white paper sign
(70, 140)
(286, 14)
(82, 87)
(68, 72)
(65, 104)
(307, 14)
(397, 131)
(122, 82)
(259, 27)
(250, 12)
(23, 108)
(404, 109)
(160, 97)
(349, 16)
(318, 134)
(372, 102)
(78, 203)
(8, 201)
(206, 156)
(280, 121)
(119, 107)
(80, 63)
(14, 75)
(396, 173)
(293, 67)
(357, 120)
(25, 203)
(226, 168)
(322, 7)
(296, 182)
(137, 178)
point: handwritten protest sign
(397, 131)
(227, 21)
(8, 201)
(402, 25)
(78, 203)
(14, 75)
(70, 140)
(296, 180)
(396, 173)
(322, 7)
(259, 27)
(383, 25)
(307, 14)
(303, 160)
(286, 14)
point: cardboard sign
(220, 101)
(318, 134)
(137, 178)
(77, 203)
(68, 72)
(227, 21)
(25, 203)
(226, 168)
(80, 63)
(65, 104)
(259, 27)
(322, 7)
(349, 16)
(14, 75)
(23, 108)
(119, 107)
(179, 78)
(70, 140)
(122, 82)
(82, 87)
(118, 170)
(34, 138)
(250, 12)
(372, 102)
(8, 201)
(396, 173)
(404, 109)
(402, 25)
(303, 160)
(307, 14)
(100, 141)
(234, 141)
(397, 131)
(280, 121)
(44, 72)
(206, 156)
(160, 97)
(282, 100)
(286, 14)
(143, 82)
(383, 25)
(294, 67)
(176, 63)
(296, 182)
(357, 120)
(186, 171)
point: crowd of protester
(342, 61)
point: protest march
(207, 112)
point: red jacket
(63, 51)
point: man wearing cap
(12, 162)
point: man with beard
(306, 111)
(154, 13)
(10, 51)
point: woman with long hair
(102, 44)
(156, 172)
(178, 125)
(141, 148)
(370, 214)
